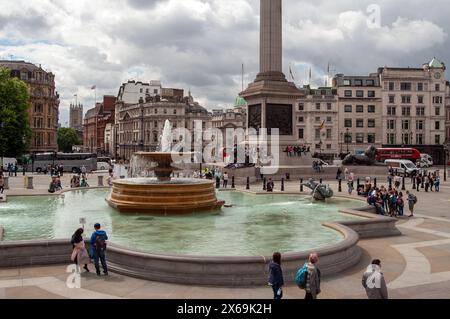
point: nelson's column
(271, 99)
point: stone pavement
(416, 265)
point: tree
(67, 138)
(15, 132)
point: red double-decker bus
(411, 154)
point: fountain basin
(174, 197)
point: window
(318, 106)
(405, 125)
(317, 135)
(329, 106)
(360, 123)
(406, 139)
(359, 137)
(437, 111)
(155, 91)
(419, 139)
(405, 86)
(358, 82)
(437, 99)
(175, 111)
(370, 83)
(437, 87)
(348, 93)
(165, 111)
(391, 124)
(371, 94)
(301, 107)
(391, 139)
(371, 108)
(156, 111)
(155, 124)
(141, 91)
(301, 119)
(371, 138)
(391, 86)
(420, 99)
(406, 99)
(348, 109)
(371, 123)
(348, 138)
(392, 99)
(347, 83)
(301, 133)
(359, 109)
(420, 111)
(328, 133)
(317, 119)
(437, 139)
(146, 91)
(348, 123)
(329, 119)
(406, 111)
(420, 87)
(328, 146)
(391, 110)
(359, 93)
(437, 125)
(419, 125)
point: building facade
(447, 112)
(95, 122)
(316, 117)
(44, 104)
(359, 112)
(76, 116)
(132, 91)
(138, 127)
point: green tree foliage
(15, 132)
(67, 137)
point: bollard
(248, 183)
(414, 183)
(30, 182)
(5, 182)
(288, 176)
(233, 185)
(340, 186)
(375, 183)
(321, 180)
(301, 185)
(100, 181)
(403, 184)
(357, 183)
(282, 184)
(423, 182)
(264, 184)
(390, 182)
(217, 182)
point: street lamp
(347, 138)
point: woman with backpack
(313, 278)
(80, 255)
(276, 280)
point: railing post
(30, 182)
(100, 181)
(301, 185)
(403, 184)
(340, 186)
(282, 184)
(375, 182)
(233, 185)
(414, 183)
(217, 182)
(248, 183)
(264, 184)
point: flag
(328, 69)
(290, 72)
(322, 125)
(75, 95)
(310, 75)
(93, 87)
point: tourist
(313, 278)
(53, 186)
(397, 181)
(225, 180)
(400, 204)
(2, 183)
(80, 255)
(346, 172)
(16, 168)
(373, 281)
(83, 170)
(431, 181)
(437, 184)
(350, 183)
(58, 183)
(110, 179)
(427, 183)
(270, 185)
(276, 280)
(412, 201)
(84, 182)
(98, 248)
(339, 174)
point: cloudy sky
(201, 44)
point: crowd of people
(292, 151)
(10, 169)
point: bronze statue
(367, 159)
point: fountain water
(161, 195)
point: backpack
(415, 199)
(100, 243)
(301, 276)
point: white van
(403, 167)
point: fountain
(163, 194)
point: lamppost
(445, 161)
(347, 139)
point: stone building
(447, 112)
(359, 112)
(95, 122)
(234, 118)
(138, 127)
(132, 91)
(44, 104)
(76, 119)
(316, 118)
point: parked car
(403, 167)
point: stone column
(100, 181)
(6, 182)
(30, 182)
(271, 36)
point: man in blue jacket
(98, 248)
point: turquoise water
(255, 225)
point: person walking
(2, 183)
(373, 281)
(350, 181)
(80, 255)
(437, 184)
(276, 280)
(225, 180)
(313, 278)
(412, 201)
(270, 185)
(98, 248)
